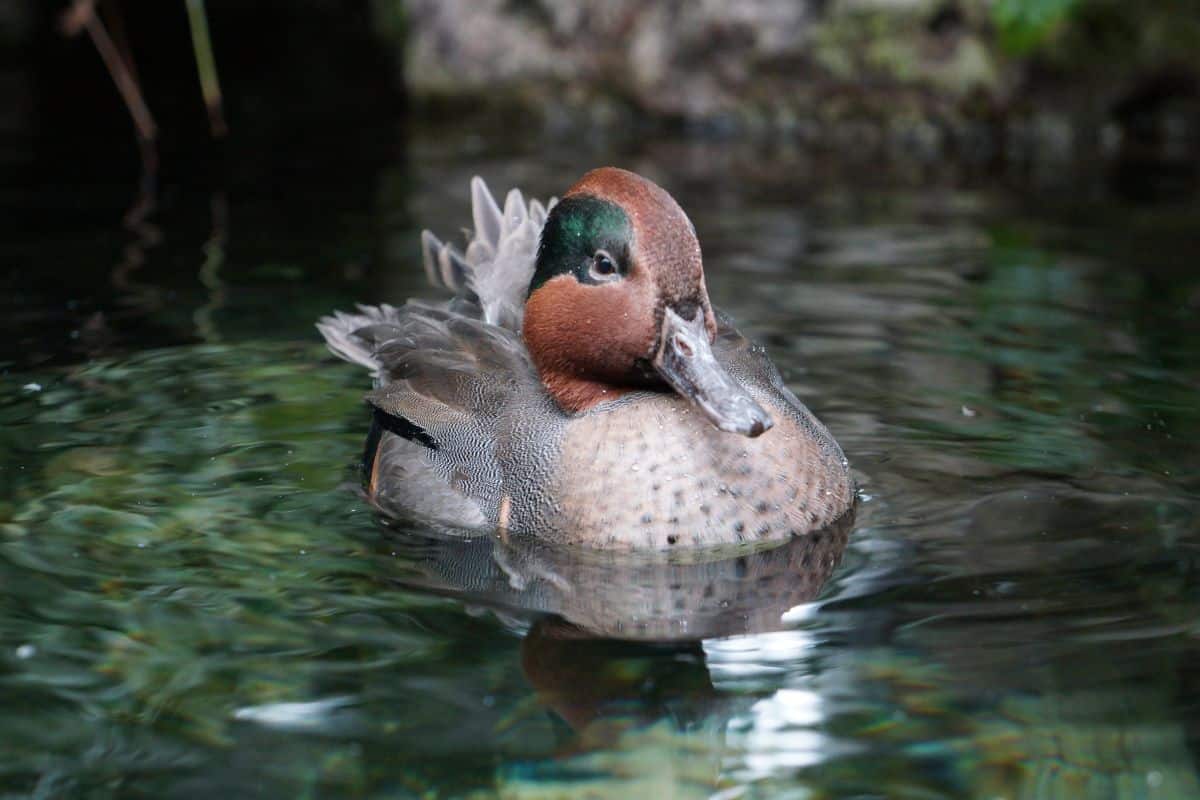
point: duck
(580, 389)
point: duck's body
(548, 416)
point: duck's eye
(603, 265)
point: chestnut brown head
(618, 302)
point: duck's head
(618, 303)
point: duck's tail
(489, 281)
(345, 333)
(499, 261)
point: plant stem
(206, 66)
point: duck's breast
(650, 472)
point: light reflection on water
(195, 601)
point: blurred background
(333, 108)
(965, 229)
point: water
(196, 603)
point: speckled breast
(650, 472)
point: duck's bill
(685, 360)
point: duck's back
(449, 377)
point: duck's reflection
(618, 634)
(583, 678)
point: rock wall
(697, 60)
(923, 71)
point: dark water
(195, 603)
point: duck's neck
(575, 394)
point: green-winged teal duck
(581, 388)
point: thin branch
(115, 17)
(82, 15)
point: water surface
(195, 601)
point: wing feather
(432, 365)
(494, 270)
